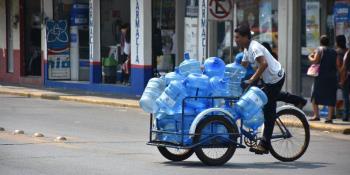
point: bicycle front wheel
(291, 135)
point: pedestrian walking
(345, 84)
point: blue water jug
(218, 88)
(171, 99)
(197, 86)
(153, 90)
(173, 123)
(214, 66)
(251, 103)
(189, 66)
(168, 123)
(255, 121)
(173, 76)
(235, 73)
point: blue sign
(58, 50)
(57, 35)
(341, 12)
(79, 15)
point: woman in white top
(272, 74)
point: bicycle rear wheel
(291, 135)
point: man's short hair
(324, 41)
(244, 30)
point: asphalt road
(110, 140)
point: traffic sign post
(220, 10)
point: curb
(342, 129)
(97, 100)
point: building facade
(69, 43)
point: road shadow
(260, 165)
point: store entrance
(163, 36)
(115, 42)
(32, 38)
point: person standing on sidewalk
(272, 74)
(345, 84)
(325, 86)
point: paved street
(111, 140)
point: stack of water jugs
(164, 97)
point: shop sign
(137, 26)
(202, 30)
(341, 12)
(191, 8)
(58, 50)
(79, 15)
(220, 10)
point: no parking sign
(220, 10)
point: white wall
(2, 24)
(15, 29)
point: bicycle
(291, 126)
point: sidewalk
(119, 101)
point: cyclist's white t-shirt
(274, 71)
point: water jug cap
(176, 69)
(187, 56)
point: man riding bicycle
(272, 74)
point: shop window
(32, 38)
(319, 17)
(76, 14)
(261, 16)
(163, 36)
(115, 41)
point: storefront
(20, 42)
(332, 18)
(91, 60)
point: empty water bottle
(189, 66)
(255, 121)
(234, 74)
(171, 99)
(167, 123)
(197, 86)
(173, 76)
(218, 88)
(153, 90)
(214, 66)
(251, 103)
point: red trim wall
(17, 77)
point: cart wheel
(215, 152)
(174, 154)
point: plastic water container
(197, 86)
(173, 123)
(171, 99)
(251, 103)
(234, 74)
(214, 66)
(166, 123)
(153, 90)
(173, 76)
(255, 121)
(189, 66)
(218, 87)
